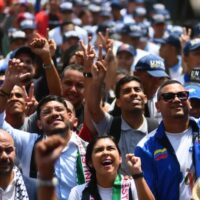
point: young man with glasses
(170, 154)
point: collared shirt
(65, 168)
(128, 139)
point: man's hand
(86, 56)
(41, 47)
(31, 102)
(16, 74)
(47, 152)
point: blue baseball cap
(153, 65)
(194, 90)
(195, 75)
(116, 5)
(158, 19)
(126, 48)
(136, 1)
(191, 45)
(196, 30)
(173, 40)
(140, 12)
(135, 30)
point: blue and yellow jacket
(160, 165)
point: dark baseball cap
(153, 65)
(23, 50)
(126, 48)
(173, 40)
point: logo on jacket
(160, 154)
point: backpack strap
(115, 129)
(33, 168)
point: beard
(59, 131)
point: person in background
(151, 70)
(170, 51)
(191, 55)
(194, 97)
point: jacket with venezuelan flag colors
(160, 165)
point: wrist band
(136, 176)
(3, 93)
(47, 183)
(47, 66)
(87, 74)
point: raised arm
(14, 76)
(43, 48)
(94, 86)
(143, 191)
(111, 60)
(47, 152)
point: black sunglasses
(183, 96)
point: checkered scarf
(21, 192)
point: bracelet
(3, 93)
(47, 183)
(48, 66)
(136, 176)
(87, 74)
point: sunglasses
(183, 96)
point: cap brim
(158, 73)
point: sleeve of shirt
(104, 125)
(23, 140)
(147, 167)
(133, 190)
(76, 192)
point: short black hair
(168, 82)
(76, 67)
(24, 50)
(125, 80)
(47, 99)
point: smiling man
(170, 154)
(73, 88)
(13, 185)
(53, 119)
(15, 108)
(131, 126)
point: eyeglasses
(183, 96)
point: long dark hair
(91, 188)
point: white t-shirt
(182, 144)
(105, 193)
(9, 192)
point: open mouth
(106, 162)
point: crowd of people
(99, 99)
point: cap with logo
(153, 65)
(191, 45)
